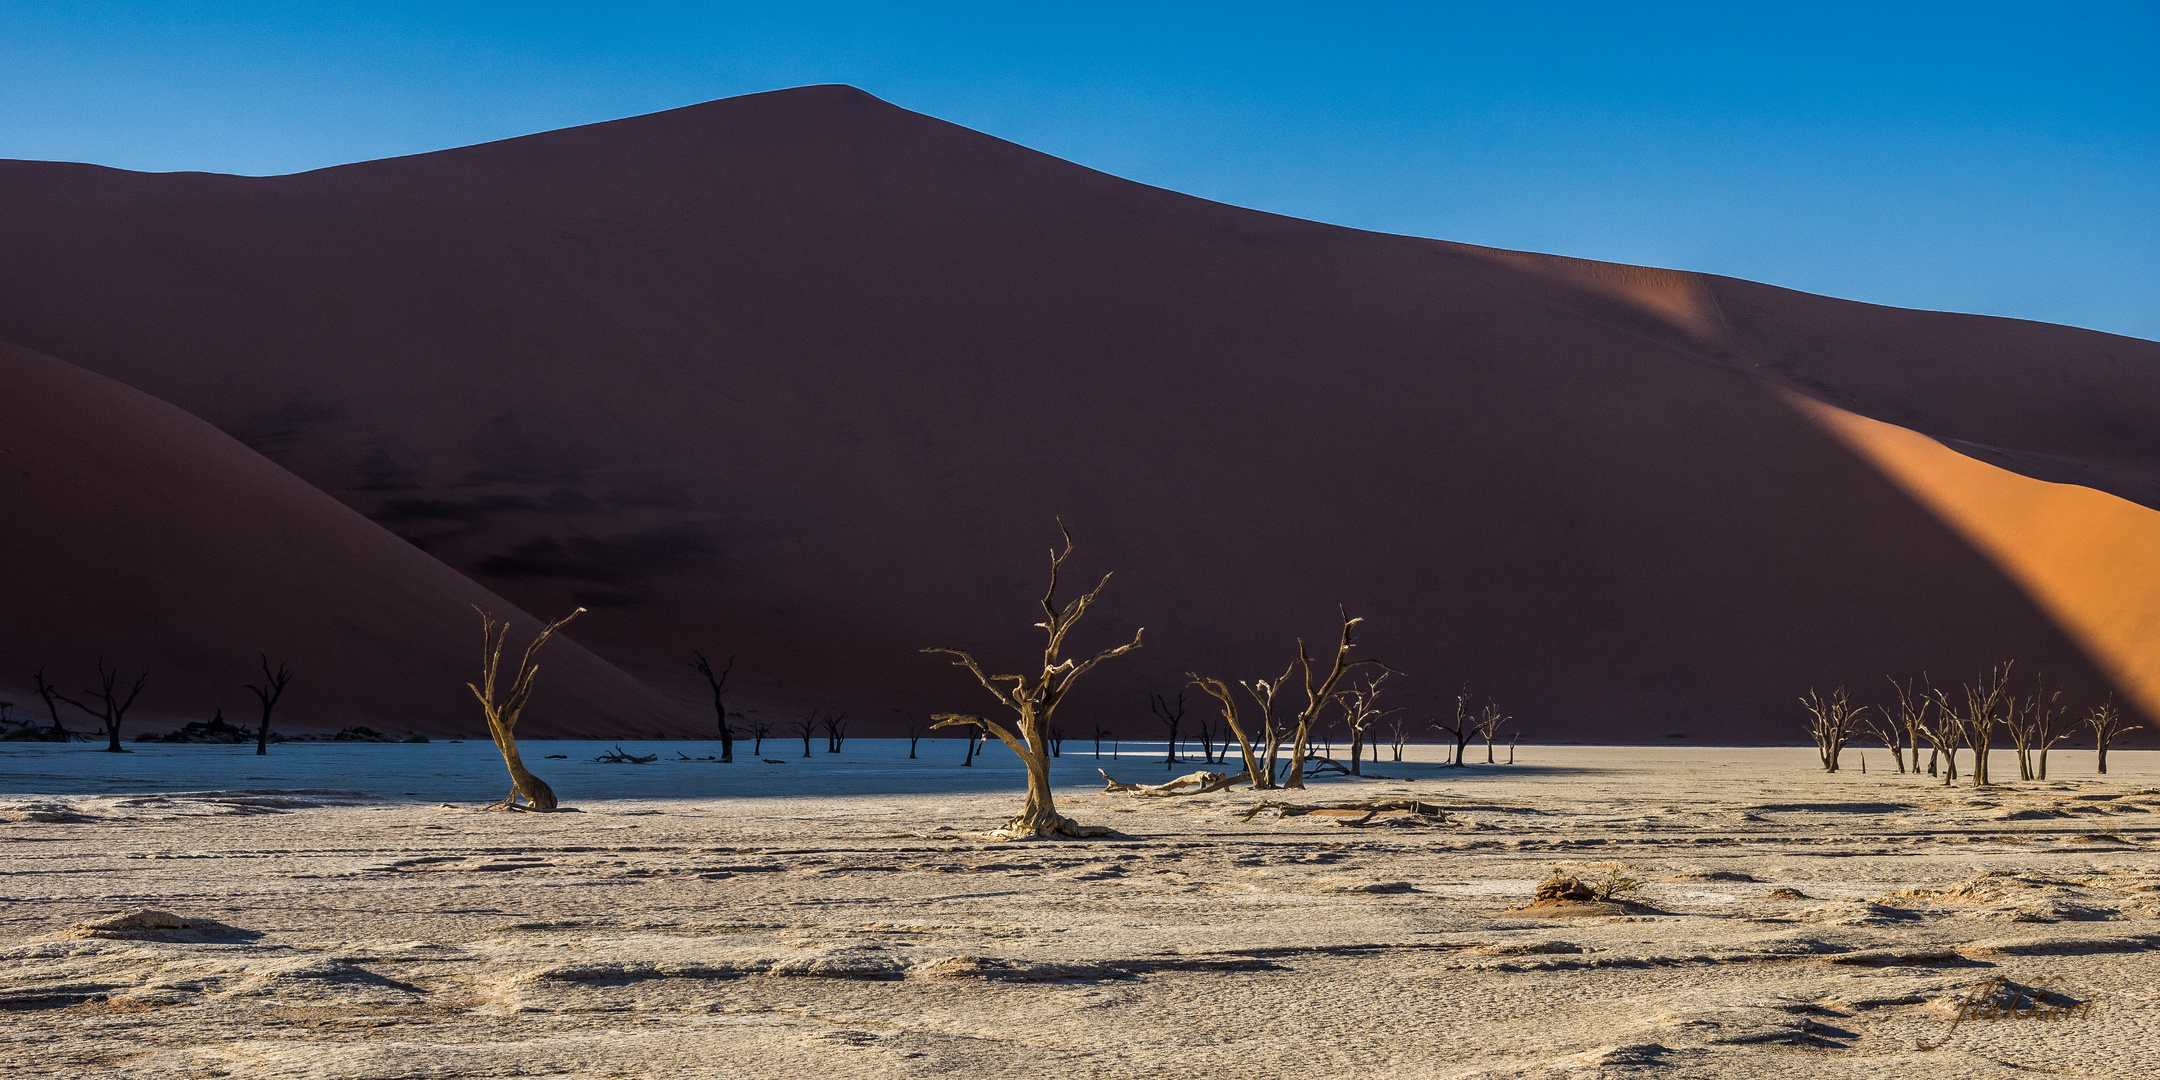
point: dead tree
(1057, 741)
(914, 729)
(1033, 700)
(1101, 733)
(1273, 735)
(1319, 695)
(268, 693)
(760, 730)
(503, 709)
(1912, 712)
(1207, 739)
(1831, 721)
(974, 740)
(1399, 733)
(1464, 729)
(1985, 703)
(1360, 711)
(1512, 736)
(1171, 717)
(1489, 722)
(2047, 712)
(719, 703)
(836, 727)
(1943, 737)
(1220, 691)
(807, 727)
(2106, 722)
(112, 705)
(2031, 722)
(52, 697)
(1891, 735)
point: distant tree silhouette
(1361, 709)
(112, 706)
(719, 702)
(268, 693)
(2107, 722)
(1171, 715)
(51, 694)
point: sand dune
(804, 377)
(142, 535)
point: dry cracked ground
(1791, 923)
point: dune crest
(145, 536)
(2089, 559)
(805, 378)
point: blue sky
(1997, 158)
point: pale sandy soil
(836, 917)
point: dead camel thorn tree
(1890, 735)
(2032, 722)
(1831, 721)
(1986, 703)
(1272, 737)
(1220, 691)
(1912, 714)
(1318, 696)
(1360, 711)
(1464, 729)
(268, 693)
(503, 709)
(114, 705)
(1489, 722)
(51, 694)
(2107, 723)
(1172, 715)
(719, 702)
(1033, 699)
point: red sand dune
(804, 377)
(142, 535)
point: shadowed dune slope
(140, 534)
(803, 377)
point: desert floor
(843, 916)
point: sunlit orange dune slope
(2092, 560)
(138, 534)
(805, 379)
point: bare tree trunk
(1171, 716)
(1831, 721)
(114, 705)
(502, 711)
(1318, 696)
(1034, 699)
(719, 703)
(268, 693)
(2106, 722)
(51, 694)
(1217, 689)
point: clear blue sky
(1972, 157)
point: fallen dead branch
(1201, 783)
(621, 757)
(1372, 808)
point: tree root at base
(510, 804)
(1062, 828)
